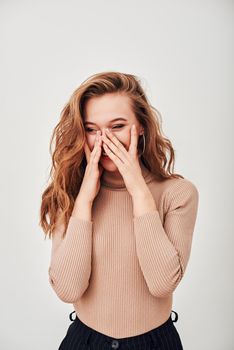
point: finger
(98, 152)
(115, 145)
(87, 151)
(118, 162)
(96, 147)
(134, 140)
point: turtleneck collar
(118, 183)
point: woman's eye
(117, 126)
(114, 127)
(88, 129)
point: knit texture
(119, 270)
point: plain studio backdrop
(183, 53)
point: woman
(121, 221)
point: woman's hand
(91, 182)
(126, 161)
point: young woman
(121, 221)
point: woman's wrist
(82, 209)
(143, 202)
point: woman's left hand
(127, 162)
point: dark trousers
(81, 337)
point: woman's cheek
(90, 141)
(126, 142)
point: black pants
(81, 337)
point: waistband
(87, 331)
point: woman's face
(100, 113)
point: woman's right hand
(91, 182)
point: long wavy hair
(68, 157)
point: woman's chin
(108, 164)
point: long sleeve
(70, 265)
(163, 249)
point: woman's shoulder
(176, 188)
(174, 184)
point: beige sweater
(119, 271)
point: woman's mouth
(105, 156)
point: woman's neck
(115, 179)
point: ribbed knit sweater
(119, 270)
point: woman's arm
(163, 250)
(70, 265)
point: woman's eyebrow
(113, 120)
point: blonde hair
(68, 157)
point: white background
(182, 51)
